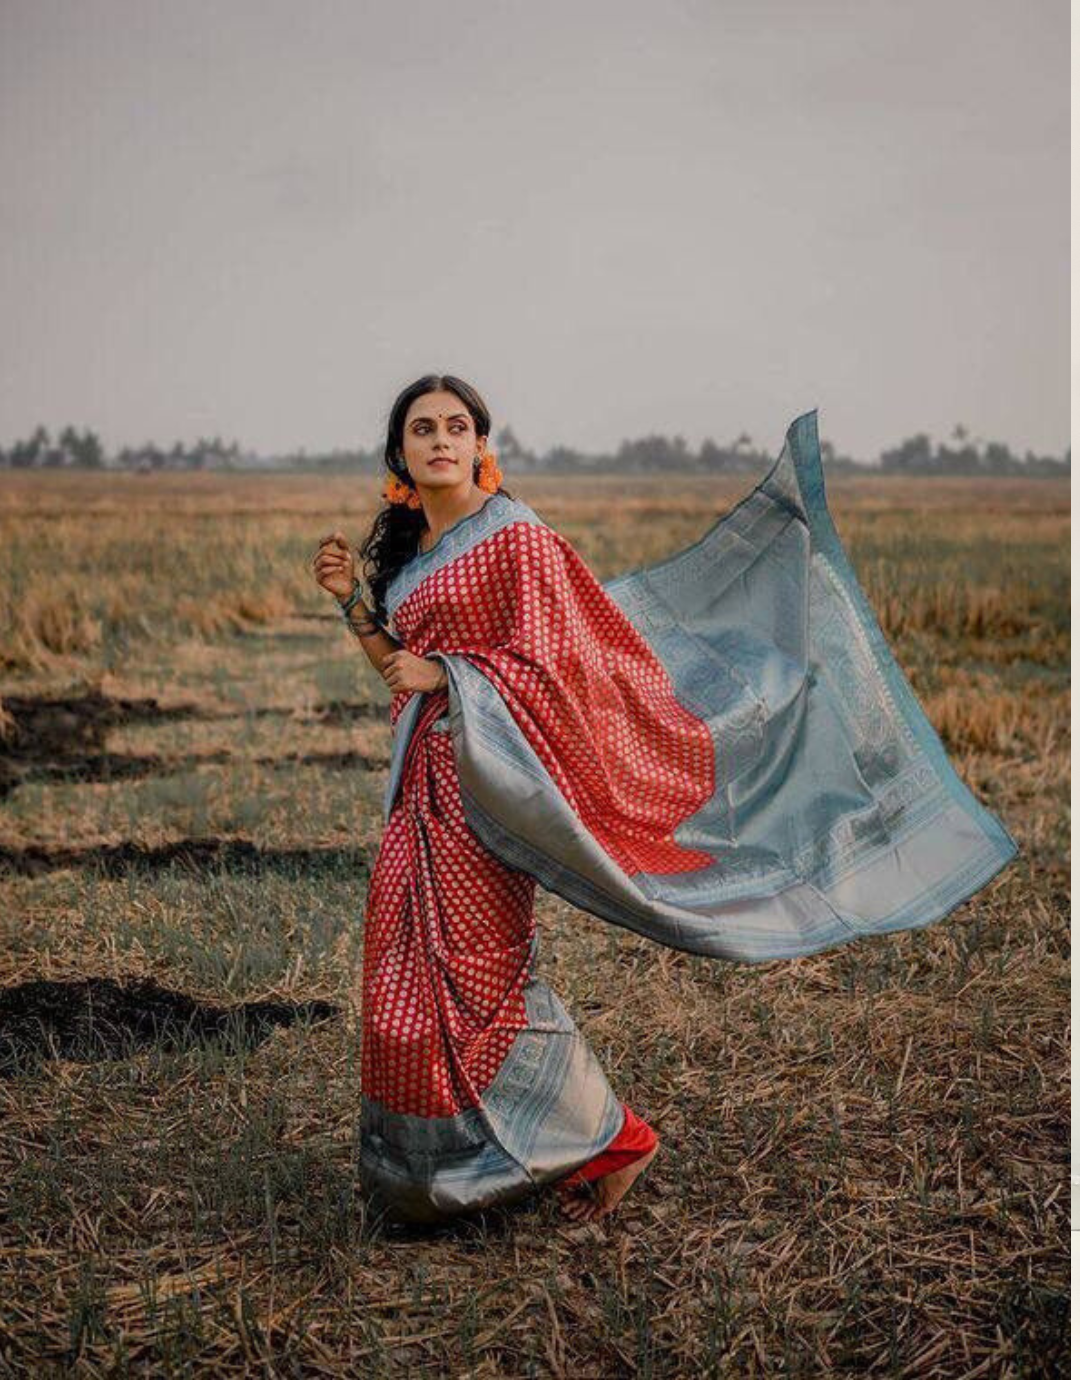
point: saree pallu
(718, 751)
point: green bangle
(347, 605)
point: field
(863, 1168)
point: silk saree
(718, 751)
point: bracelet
(363, 629)
(347, 604)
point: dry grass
(863, 1160)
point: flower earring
(488, 478)
(395, 491)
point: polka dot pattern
(449, 928)
(447, 936)
(582, 683)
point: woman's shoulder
(513, 522)
(500, 513)
(516, 511)
(531, 541)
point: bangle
(362, 629)
(349, 602)
(346, 606)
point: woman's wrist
(348, 601)
(358, 617)
(365, 628)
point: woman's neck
(438, 522)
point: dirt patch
(64, 739)
(196, 854)
(118, 766)
(56, 727)
(94, 1019)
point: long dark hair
(395, 534)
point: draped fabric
(443, 994)
(476, 1086)
(450, 940)
(718, 751)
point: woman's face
(440, 441)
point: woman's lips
(441, 461)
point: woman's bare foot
(585, 1202)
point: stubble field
(864, 1153)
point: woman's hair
(395, 534)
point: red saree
(450, 931)
(449, 944)
(718, 751)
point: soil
(94, 1019)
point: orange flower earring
(490, 476)
(395, 491)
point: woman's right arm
(334, 570)
(372, 638)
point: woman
(718, 751)
(450, 934)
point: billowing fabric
(718, 751)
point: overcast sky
(263, 219)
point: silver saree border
(548, 1110)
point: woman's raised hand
(333, 565)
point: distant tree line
(74, 449)
(83, 450)
(917, 456)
